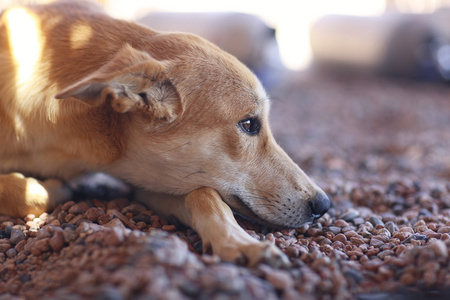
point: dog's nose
(319, 204)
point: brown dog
(170, 113)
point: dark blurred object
(100, 186)
(404, 45)
(243, 35)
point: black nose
(319, 204)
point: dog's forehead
(240, 92)
(220, 81)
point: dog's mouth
(246, 212)
(241, 208)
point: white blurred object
(406, 45)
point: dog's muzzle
(313, 209)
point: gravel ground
(378, 147)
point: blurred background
(359, 88)
(359, 31)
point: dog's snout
(319, 204)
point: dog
(169, 113)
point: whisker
(263, 192)
(193, 173)
(171, 149)
(255, 196)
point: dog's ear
(131, 81)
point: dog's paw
(252, 254)
(273, 256)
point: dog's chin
(242, 209)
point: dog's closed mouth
(242, 209)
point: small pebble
(115, 223)
(350, 215)
(357, 241)
(69, 234)
(115, 236)
(376, 242)
(43, 234)
(444, 229)
(10, 253)
(104, 219)
(57, 240)
(419, 237)
(169, 228)
(16, 236)
(20, 245)
(334, 229)
(372, 252)
(4, 246)
(351, 233)
(358, 221)
(67, 205)
(75, 209)
(385, 253)
(340, 237)
(280, 279)
(93, 213)
(440, 249)
(375, 221)
(42, 245)
(8, 230)
(391, 227)
(341, 223)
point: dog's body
(170, 113)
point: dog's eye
(250, 126)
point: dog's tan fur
(77, 106)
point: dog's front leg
(205, 212)
(20, 195)
(214, 221)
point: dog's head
(198, 117)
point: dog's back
(42, 50)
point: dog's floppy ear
(131, 81)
